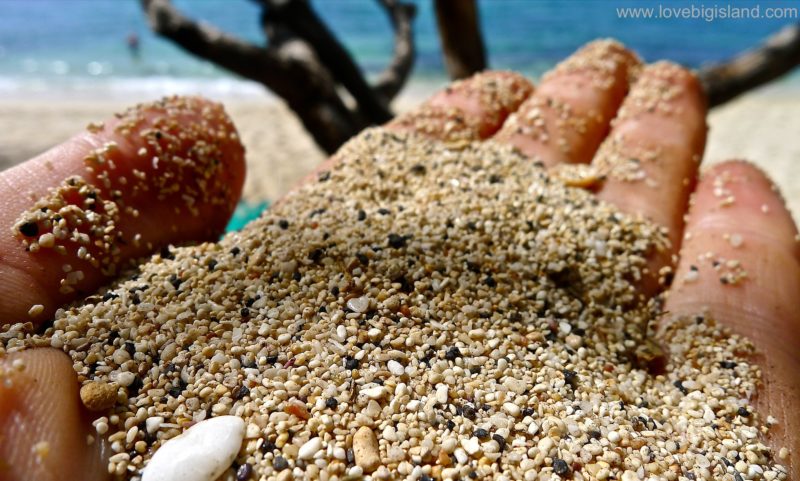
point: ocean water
(49, 47)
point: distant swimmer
(133, 45)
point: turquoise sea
(49, 46)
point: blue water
(77, 44)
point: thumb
(44, 434)
(165, 172)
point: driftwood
(302, 62)
(753, 68)
(460, 34)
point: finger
(471, 109)
(166, 172)
(656, 142)
(568, 116)
(43, 435)
(740, 261)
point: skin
(761, 307)
(34, 279)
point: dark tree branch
(391, 80)
(304, 22)
(302, 62)
(207, 42)
(290, 69)
(776, 57)
(460, 33)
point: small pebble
(442, 394)
(18, 364)
(280, 463)
(297, 408)
(152, 424)
(244, 472)
(574, 341)
(98, 396)
(395, 368)
(375, 392)
(309, 448)
(365, 449)
(471, 445)
(630, 476)
(512, 409)
(560, 467)
(35, 310)
(452, 353)
(41, 450)
(358, 304)
(47, 240)
(29, 229)
(125, 378)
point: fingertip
(183, 151)
(470, 109)
(667, 90)
(675, 73)
(568, 116)
(166, 172)
(40, 411)
(747, 181)
(179, 152)
(739, 193)
(740, 259)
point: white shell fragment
(310, 448)
(442, 393)
(376, 392)
(395, 368)
(202, 453)
(358, 304)
(471, 445)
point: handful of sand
(423, 311)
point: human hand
(175, 171)
(565, 121)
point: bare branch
(776, 57)
(304, 22)
(290, 69)
(302, 62)
(391, 80)
(205, 41)
(460, 33)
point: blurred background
(66, 62)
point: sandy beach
(761, 127)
